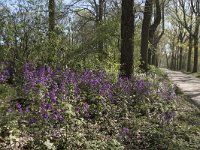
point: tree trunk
(195, 67)
(102, 53)
(196, 43)
(127, 32)
(152, 31)
(175, 61)
(180, 39)
(172, 60)
(145, 35)
(189, 54)
(181, 58)
(51, 16)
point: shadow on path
(188, 84)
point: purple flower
(125, 131)
(86, 107)
(19, 107)
(52, 95)
(45, 114)
(57, 115)
(32, 121)
(94, 82)
(141, 86)
(27, 109)
(4, 76)
(77, 110)
(48, 106)
(167, 91)
(9, 110)
(167, 116)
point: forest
(94, 74)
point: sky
(13, 1)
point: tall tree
(196, 9)
(190, 41)
(127, 32)
(181, 41)
(102, 53)
(52, 14)
(152, 30)
(145, 35)
(190, 12)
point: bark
(101, 8)
(172, 56)
(180, 50)
(167, 59)
(127, 32)
(152, 31)
(154, 55)
(189, 53)
(172, 59)
(195, 67)
(177, 62)
(181, 58)
(100, 14)
(145, 35)
(51, 16)
(196, 41)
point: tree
(51, 16)
(100, 13)
(196, 10)
(152, 30)
(188, 16)
(127, 32)
(145, 35)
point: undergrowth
(53, 108)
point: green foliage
(134, 122)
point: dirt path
(188, 84)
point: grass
(197, 74)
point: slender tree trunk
(51, 16)
(157, 61)
(152, 31)
(51, 31)
(181, 58)
(102, 53)
(145, 35)
(196, 43)
(154, 52)
(177, 62)
(150, 57)
(195, 67)
(127, 34)
(181, 37)
(155, 55)
(189, 53)
(172, 56)
(172, 61)
(167, 59)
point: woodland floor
(188, 84)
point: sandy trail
(188, 84)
